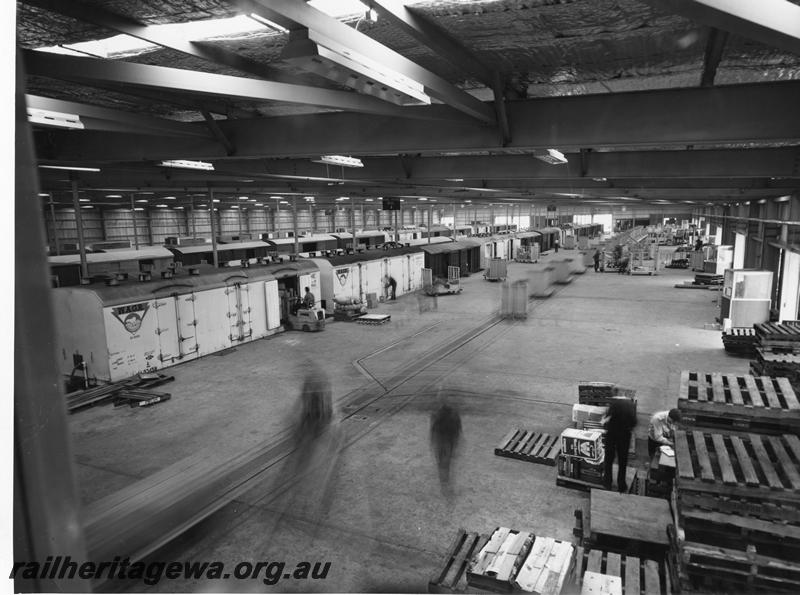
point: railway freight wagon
(495, 246)
(548, 238)
(136, 327)
(66, 269)
(356, 275)
(232, 254)
(463, 253)
(364, 239)
(317, 243)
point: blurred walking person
(445, 436)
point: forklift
(295, 316)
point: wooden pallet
(776, 539)
(374, 319)
(741, 341)
(748, 465)
(754, 507)
(639, 576)
(722, 569)
(136, 397)
(778, 334)
(745, 402)
(534, 447)
(453, 576)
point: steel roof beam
(775, 23)
(668, 118)
(338, 32)
(715, 45)
(99, 118)
(166, 39)
(172, 79)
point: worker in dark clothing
(619, 424)
(392, 285)
(445, 434)
(596, 257)
(556, 244)
(308, 299)
(699, 244)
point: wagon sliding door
(273, 304)
(177, 327)
(238, 292)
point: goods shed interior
(175, 197)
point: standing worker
(597, 260)
(619, 423)
(662, 430)
(391, 283)
(308, 299)
(556, 244)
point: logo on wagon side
(131, 316)
(342, 275)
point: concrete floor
(387, 524)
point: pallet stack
(778, 351)
(636, 575)
(738, 403)
(741, 341)
(737, 511)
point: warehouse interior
(284, 144)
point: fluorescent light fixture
(244, 198)
(339, 160)
(186, 164)
(215, 200)
(284, 202)
(113, 196)
(177, 207)
(138, 209)
(553, 157)
(309, 197)
(58, 119)
(454, 179)
(276, 197)
(142, 200)
(600, 179)
(44, 194)
(467, 201)
(162, 206)
(783, 198)
(234, 206)
(87, 207)
(259, 204)
(253, 199)
(267, 23)
(169, 198)
(422, 198)
(311, 51)
(69, 167)
(763, 201)
(368, 200)
(83, 199)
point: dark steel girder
(715, 45)
(775, 23)
(309, 17)
(668, 118)
(116, 120)
(172, 79)
(122, 24)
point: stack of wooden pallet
(741, 341)
(739, 403)
(778, 351)
(134, 391)
(737, 511)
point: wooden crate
(727, 401)
(494, 566)
(639, 576)
(453, 576)
(526, 445)
(748, 465)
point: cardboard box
(590, 413)
(583, 444)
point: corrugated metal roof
(120, 255)
(450, 247)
